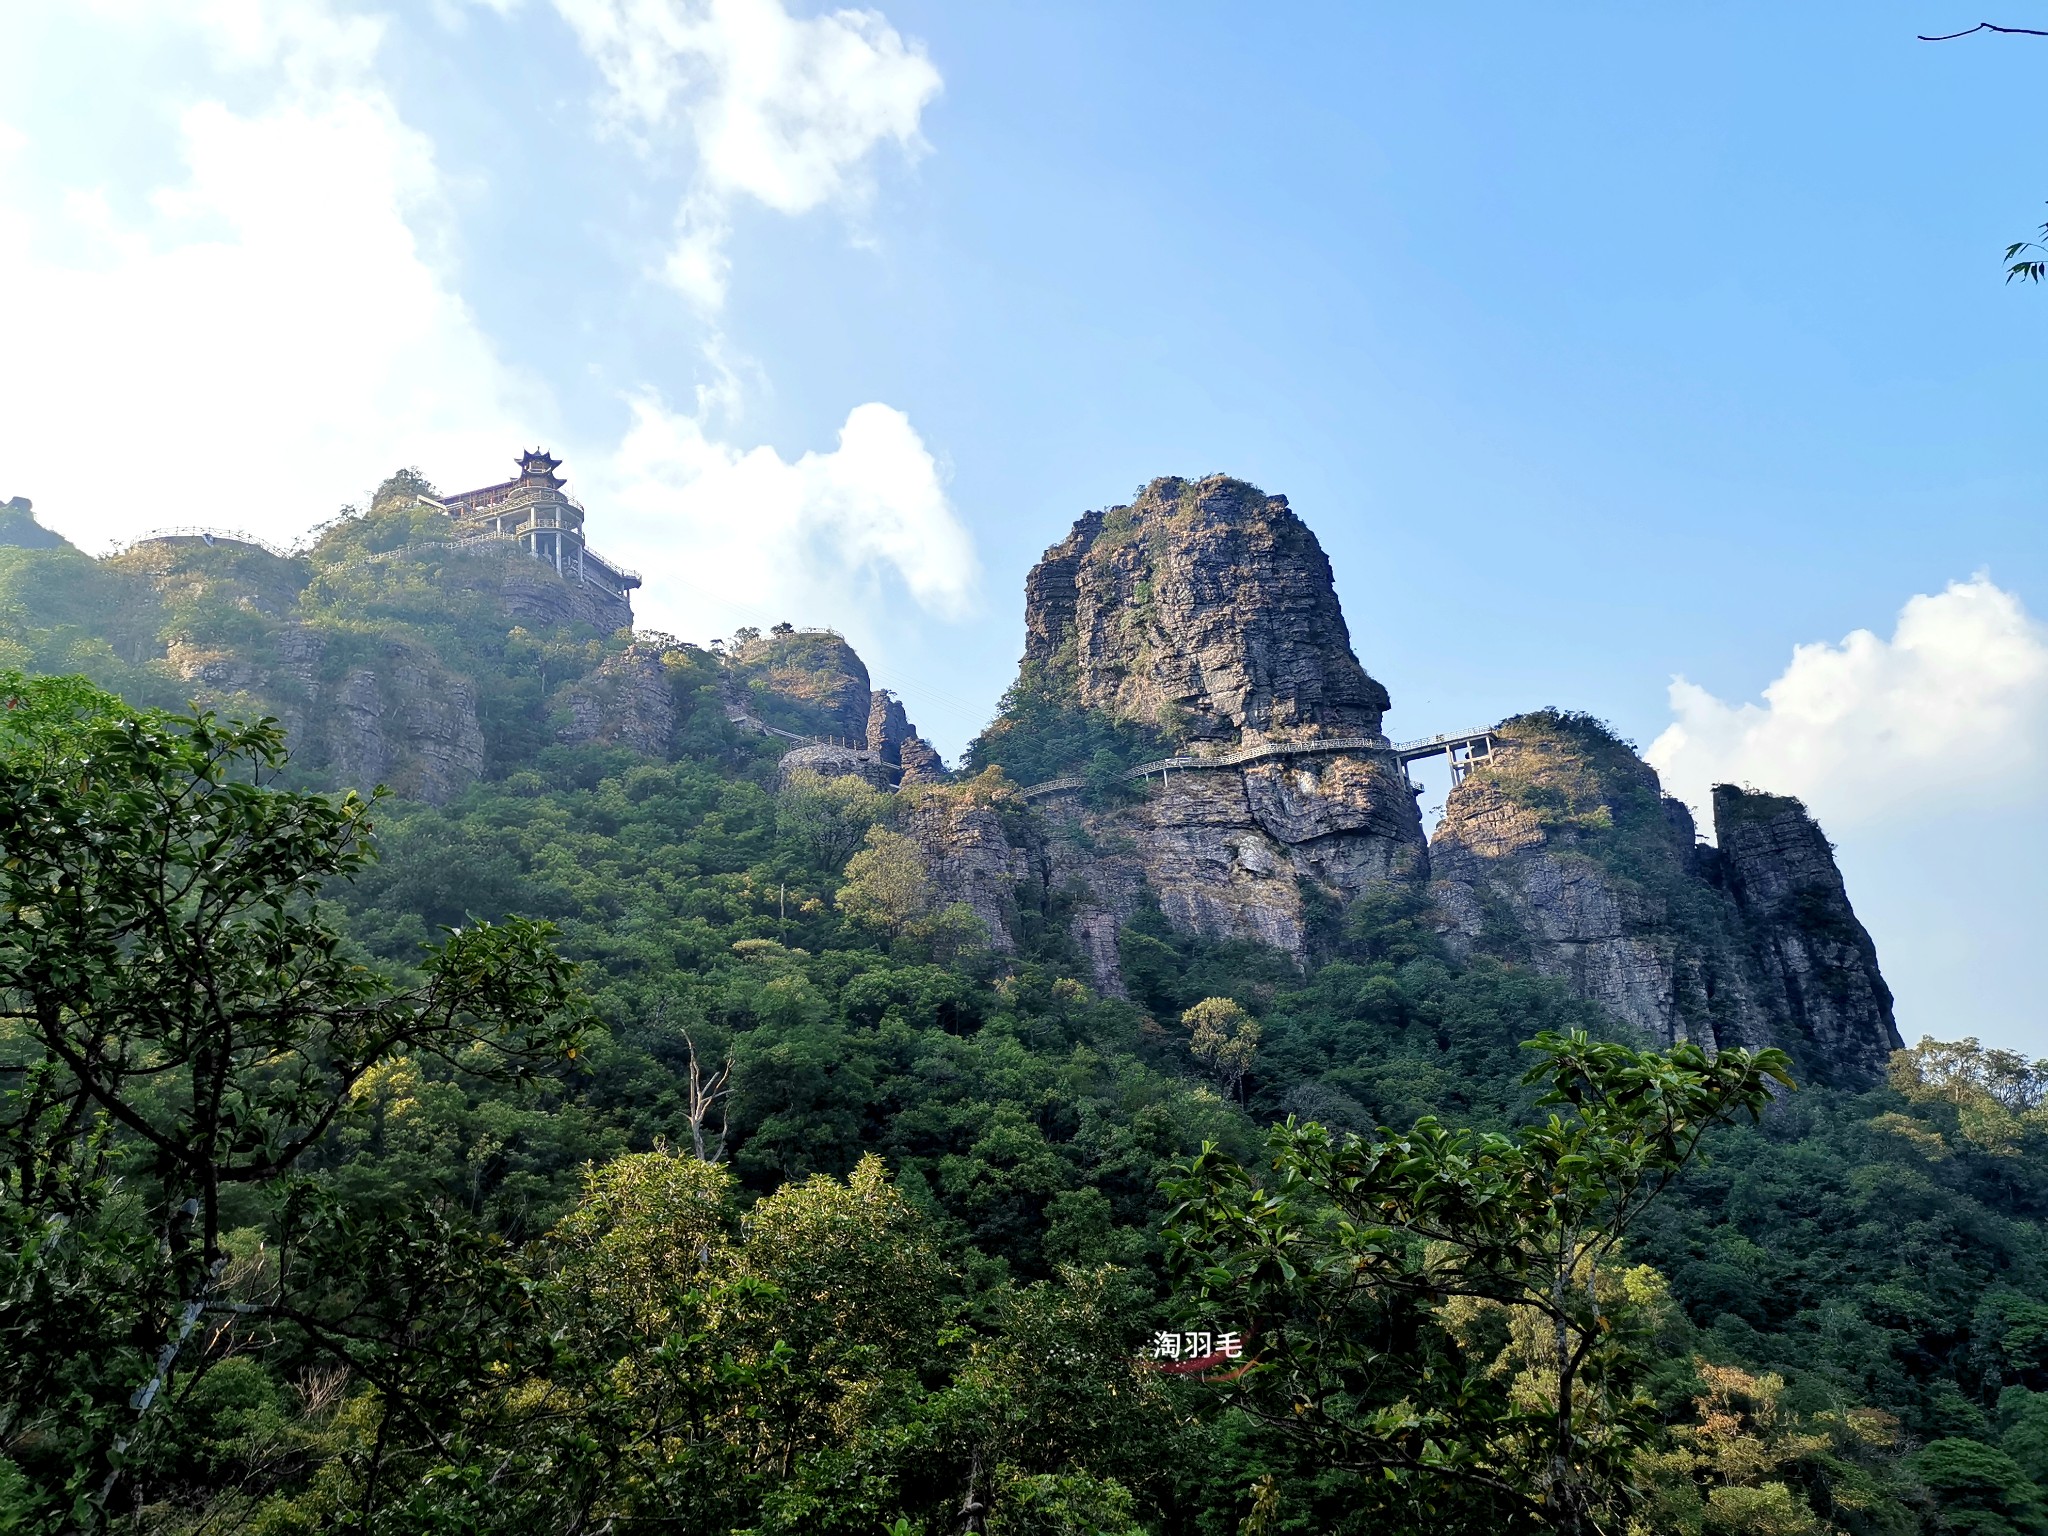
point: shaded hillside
(398, 654)
(19, 528)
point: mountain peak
(1204, 608)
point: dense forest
(633, 1142)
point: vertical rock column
(1816, 956)
(1206, 611)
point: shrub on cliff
(1040, 734)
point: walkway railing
(628, 577)
(1446, 744)
(625, 573)
(1462, 747)
(211, 536)
(425, 544)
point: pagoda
(534, 510)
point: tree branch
(1983, 26)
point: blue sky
(1602, 345)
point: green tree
(401, 488)
(2024, 1415)
(1350, 1264)
(1224, 1038)
(645, 1230)
(827, 818)
(1746, 1465)
(887, 883)
(1980, 1490)
(1058, 1418)
(175, 1006)
(679, 1367)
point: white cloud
(784, 110)
(272, 329)
(1882, 731)
(758, 537)
(266, 327)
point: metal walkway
(1465, 749)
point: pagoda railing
(538, 519)
(490, 503)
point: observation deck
(535, 512)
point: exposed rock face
(969, 857)
(808, 680)
(407, 722)
(893, 739)
(1816, 957)
(1519, 866)
(224, 678)
(401, 719)
(1216, 866)
(1227, 851)
(344, 642)
(627, 702)
(833, 762)
(1563, 852)
(1101, 874)
(539, 599)
(888, 726)
(1206, 608)
(921, 762)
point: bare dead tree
(320, 1387)
(707, 1094)
(973, 1512)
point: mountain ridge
(1201, 619)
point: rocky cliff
(1817, 960)
(392, 655)
(1201, 623)
(1199, 626)
(811, 683)
(390, 712)
(533, 595)
(628, 701)
(361, 654)
(1561, 851)
(968, 854)
(1205, 608)
(389, 657)
(895, 743)
(1190, 731)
